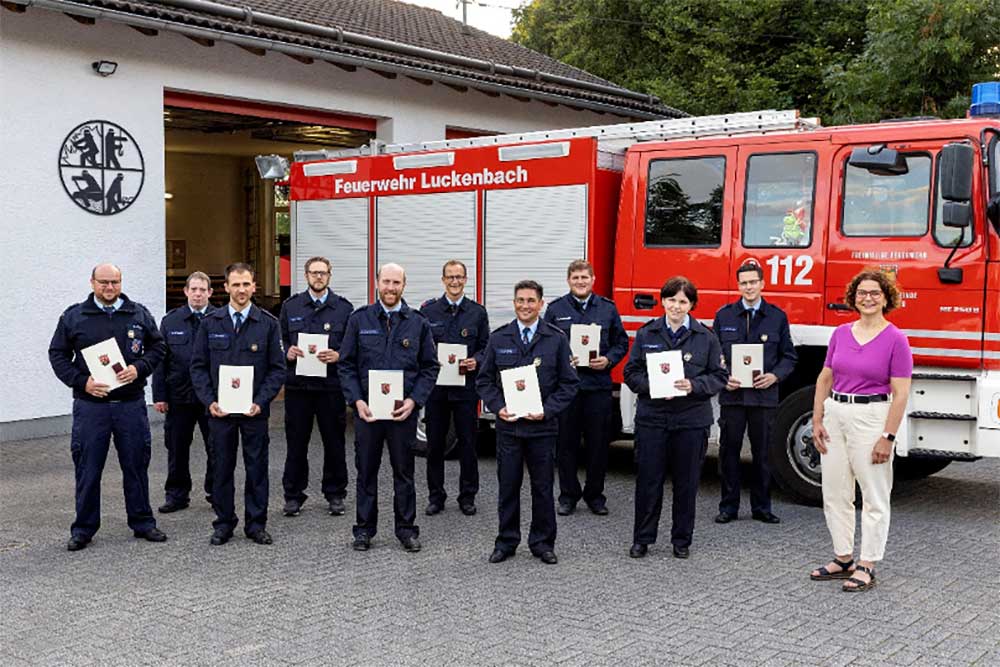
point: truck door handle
(837, 306)
(644, 301)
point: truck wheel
(795, 464)
(916, 467)
(450, 442)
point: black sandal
(826, 575)
(860, 585)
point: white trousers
(854, 429)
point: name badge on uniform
(538, 361)
(253, 347)
(687, 356)
(406, 342)
(326, 326)
(131, 333)
(763, 337)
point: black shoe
(411, 544)
(638, 550)
(725, 517)
(362, 543)
(681, 552)
(260, 537)
(500, 555)
(565, 509)
(336, 506)
(76, 543)
(765, 517)
(547, 557)
(220, 537)
(599, 510)
(153, 534)
(433, 508)
(173, 506)
(292, 508)
(468, 509)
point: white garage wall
(47, 87)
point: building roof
(384, 35)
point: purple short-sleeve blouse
(866, 369)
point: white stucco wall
(47, 88)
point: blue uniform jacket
(469, 326)
(565, 311)
(769, 328)
(409, 347)
(557, 379)
(85, 324)
(702, 356)
(299, 314)
(258, 344)
(172, 379)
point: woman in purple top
(861, 397)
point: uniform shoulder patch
(649, 323)
(606, 299)
(268, 313)
(427, 303)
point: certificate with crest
(449, 356)
(748, 362)
(104, 361)
(585, 342)
(665, 368)
(311, 345)
(235, 389)
(385, 392)
(521, 392)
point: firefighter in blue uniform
(174, 396)
(455, 318)
(672, 433)
(241, 334)
(751, 409)
(318, 310)
(387, 335)
(529, 440)
(589, 414)
(100, 412)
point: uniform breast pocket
(506, 359)
(336, 337)
(175, 338)
(696, 364)
(296, 325)
(218, 342)
(728, 335)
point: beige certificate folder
(235, 389)
(748, 362)
(104, 361)
(585, 342)
(664, 368)
(521, 392)
(449, 356)
(385, 392)
(311, 345)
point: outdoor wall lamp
(104, 67)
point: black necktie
(110, 310)
(750, 315)
(525, 336)
(238, 321)
(452, 308)
(676, 335)
(197, 320)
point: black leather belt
(860, 398)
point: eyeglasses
(107, 283)
(864, 293)
(318, 274)
(454, 279)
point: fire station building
(128, 130)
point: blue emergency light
(985, 99)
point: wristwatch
(891, 437)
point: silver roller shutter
(531, 234)
(422, 232)
(338, 230)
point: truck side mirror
(955, 173)
(956, 214)
(879, 160)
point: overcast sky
(490, 15)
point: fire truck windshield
(888, 205)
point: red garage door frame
(202, 102)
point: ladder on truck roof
(613, 138)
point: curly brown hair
(885, 280)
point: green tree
(838, 59)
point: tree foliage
(843, 60)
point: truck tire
(917, 467)
(450, 442)
(795, 464)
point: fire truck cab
(699, 197)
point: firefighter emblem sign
(101, 167)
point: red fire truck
(698, 197)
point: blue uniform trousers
(227, 433)
(368, 445)
(439, 414)
(588, 415)
(682, 452)
(94, 424)
(329, 411)
(538, 454)
(178, 434)
(756, 422)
